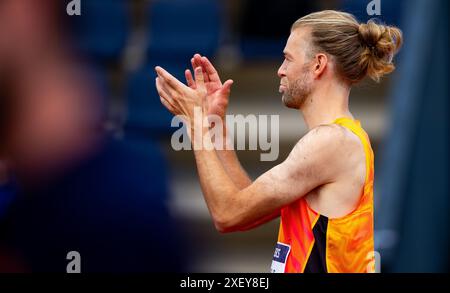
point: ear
(321, 62)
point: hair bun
(369, 33)
(380, 43)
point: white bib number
(280, 257)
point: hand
(217, 93)
(178, 98)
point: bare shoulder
(326, 156)
(329, 150)
(328, 138)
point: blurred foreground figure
(64, 184)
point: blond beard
(295, 96)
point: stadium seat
(180, 28)
(101, 30)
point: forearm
(218, 188)
(228, 208)
(231, 163)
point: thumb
(226, 87)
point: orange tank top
(311, 242)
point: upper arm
(317, 159)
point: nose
(282, 70)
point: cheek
(292, 75)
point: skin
(326, 166)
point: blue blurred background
(85, 156)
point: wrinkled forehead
(299, 41)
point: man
(324, 189)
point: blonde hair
(359, 49)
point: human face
(295, 72)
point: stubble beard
(296, 94)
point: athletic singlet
(311, 242)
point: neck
(325, 105)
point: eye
(288, 58)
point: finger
(194, 63)
(172, 91)
(189, 79)
(164, 93)
(226, 88)
(198, 62)
(167, 105)
(210, 70)
(205, 75)
(199, 79)
(162, 83)
(169, 79)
